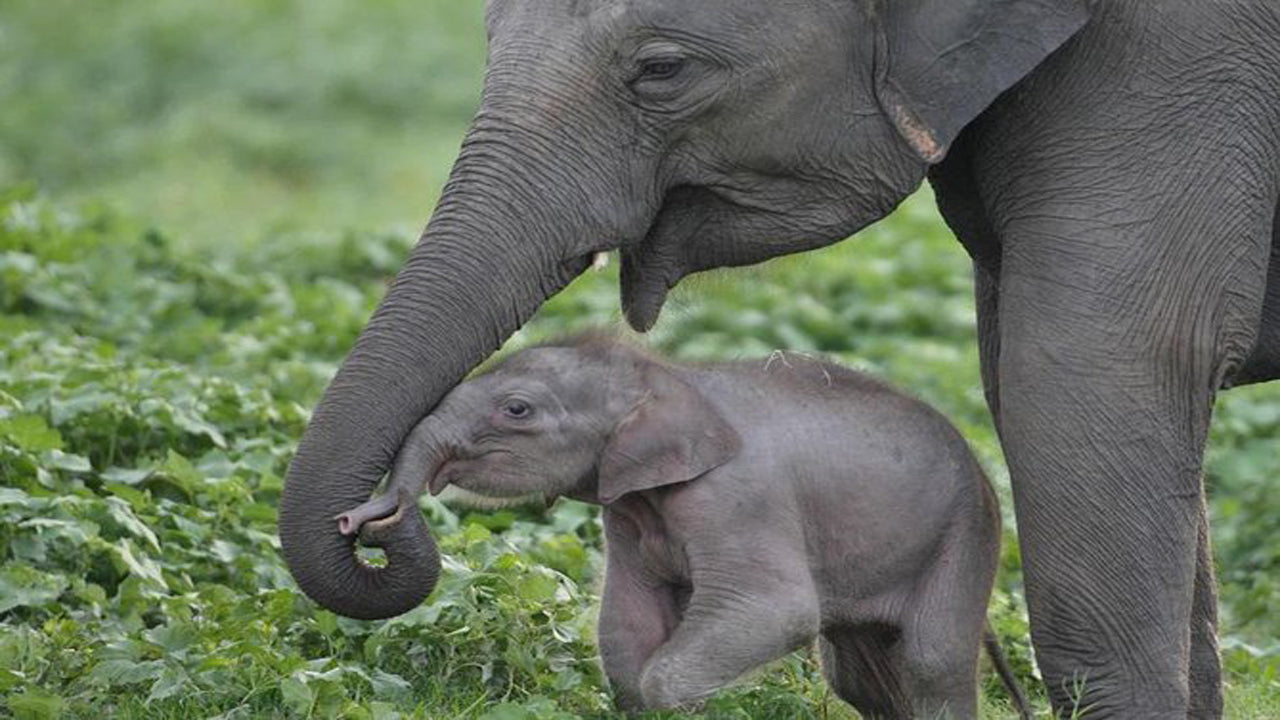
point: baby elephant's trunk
(421, 458)
(1001, 664)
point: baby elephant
(749, 507)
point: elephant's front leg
(637, 613)
(1206, 665)
(726, 632)
(1105, 394)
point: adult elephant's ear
(940, 63)
(672, 436)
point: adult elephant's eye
(663, 68)
(517, 409)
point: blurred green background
(236, 121)
(199, 207)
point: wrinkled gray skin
(749, 507)
(1113, 167)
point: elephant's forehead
(542, 361)
(573, 8)
(654, 12)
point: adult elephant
(1112, 166)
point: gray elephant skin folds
(749, 508)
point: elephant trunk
(426, 451)
(489, 258)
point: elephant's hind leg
(860, 665)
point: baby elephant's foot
(665, 686)
(627, 702)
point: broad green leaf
(120, 511)
(139, 565)
(296, 695)
(123, 672)
(508, 711)
(35, 704)
(31, 433)
(384, 711)
(196, 425)
(13, 496)
(24, 586)
(63, 461)
(170, 683)
(326, 622)
(537, 587)
(388, 685)
(9, 679)
(125, 476)
(174, 638)
(181, 472)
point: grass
(223, 191)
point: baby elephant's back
(876, 479)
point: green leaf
(174, 638)
(125, 476)
(62, 461)
(326, 622)
(123, 515)
(198, 426)
(384, 711)
(10, 679)
(508, 711)
(388, 685)
(124, 672)
(170, 683)
(13, 496)
(24, 586)
(35, 704)
(31, 432)
(476, 533)
(182, 473)
(140, 566)
(537, 587)
(296, 695)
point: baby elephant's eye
(517, 409)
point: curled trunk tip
(383, 506)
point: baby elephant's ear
(674, 435)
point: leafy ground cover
(150, 400)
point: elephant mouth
(449, 473)
(480, 500)
(461, 468)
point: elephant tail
(1001, 664)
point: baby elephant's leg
(723, 635)
(637, 615)
(942, 631)
(635, 619)
(862, 666)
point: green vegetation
(170, 316)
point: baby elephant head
(592, 419)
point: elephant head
(589, 418)
(688, 135)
